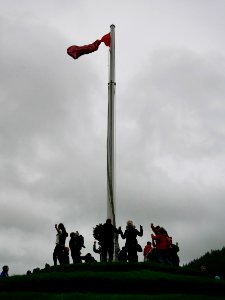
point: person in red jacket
(160, 241)
(147, 250)
(155, 229)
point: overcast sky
(170, 125)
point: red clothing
(161, 241)
(155, 229)
(147, 249)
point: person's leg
(104, 254)
(55, 255)
(110, 252)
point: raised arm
(140, 233)
(123, 235)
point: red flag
(77, 51)
(106, 39)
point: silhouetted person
(76, 243)
(155, 229)
(108, 232)
(97, 249)
(122, 255)
(5, 271)
(65, 257)
(61, 236)
(174, 254)
(88, 258)
(131, 244)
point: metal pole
(111, 136)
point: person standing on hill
(5, 271)
(162, 243)
(76, 243)
(147, 250)
(61, 236)
(108, 232)
(97, 249)
(174, 254)
(131, 243)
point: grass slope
(116, 280)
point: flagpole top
(112, 26)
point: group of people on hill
(106, 242)
(76, 243)
(161, 249)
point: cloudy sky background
(170, 125)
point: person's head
(72, 234)
(149, 243)
(130, 223)
(108, 221)
(61, 226)
(47, 266)
(5, 269)
(162, 230)
(157, 228)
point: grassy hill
(113, 281)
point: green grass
(113, 281)
(88, 296)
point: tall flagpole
(111, 136)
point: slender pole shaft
(111, 133)
(111, 140)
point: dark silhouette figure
(108, 232)
(174, 254)
(64, 256)
(76, 243)
(88, 258)
(131, 244)
(5, 271)
(59, 250)
(97, 249)
(122, 255)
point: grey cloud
(169, 125)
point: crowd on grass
(160, 249)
